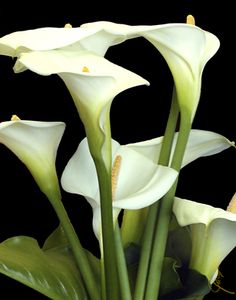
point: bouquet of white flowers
(153, 244)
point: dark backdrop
(137, 114)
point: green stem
(133, 225)
(169, 131)
(100, 148)
(122, 267)
(153, 210)
(145, 254)
(162, 225)
(78, 251)
(108, 241)
(103, 280)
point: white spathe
(76, 55)
(35, 143)
(49, 38)
(92, 81)
(139, 183)
(212, 231)
(186, 49)
(200, 143)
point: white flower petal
(40, 39)
(140, 182)
(82, 63)
(92, 81)
(190, 212)
(35, 144)
(97, 223)
(212, 231)
(186, 49)
(200, 143)
(79, 175)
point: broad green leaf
(51, 272)
(58, 239)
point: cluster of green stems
(157, 224)
(114, 273)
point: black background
(136, 114)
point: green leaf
(194, 286)
(51, 272)
(177, 237)
(58, 239)
(170, 280)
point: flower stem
(101, 151)
(108, 241)
(169, 131)
(122, 267)
(153, 210)
(78, 251)
(145, 254)
(162, 225)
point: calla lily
(92, 81)
(200, 143)
(137, 181)
(74, 178)
(75, 54)
(212, 231)
(186, 49)
(52, 38)
(35, 144)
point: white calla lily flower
(92, 81)
(52, 38)
(200, 143)
(35, 143)
(137, 181)
(186, 49)
(76, 55)
(212, 231)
